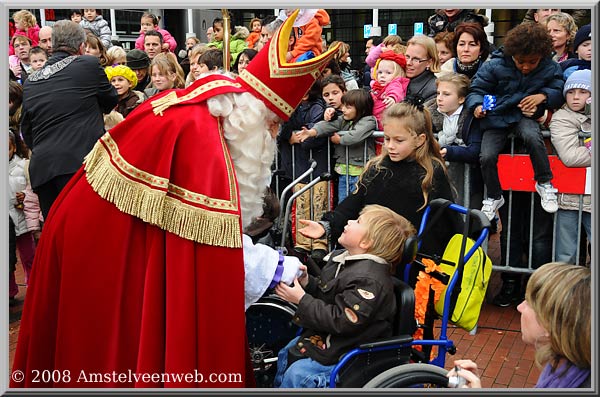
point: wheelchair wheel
(410, 375)
(269, 328)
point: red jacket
(33, 33)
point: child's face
(386, 72)
(189, 43)
(526, 63)
(147, 24)
(90, 14)
(353, 237)
(585, 50)
(218, 32)
(443, 52)
(90, 50)
(202, 68)
(349, 111)
(195, 67)
(447, 97)
(120, 61)
(399, 143)
(19, 24)
(576, 98)
(243, 62)
(467, 49)
(256, 26)
(558, 33)
(76, 18)
(121, 84)
(37, 61)
(332, 94)
(162, 81)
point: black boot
(509, 294)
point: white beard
(252, 149)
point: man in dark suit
(63, 106)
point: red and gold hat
(279, 84)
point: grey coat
(564, 133)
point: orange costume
(308, 36)
(138, 279)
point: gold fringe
(162, 104)
(155, 207)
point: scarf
(468, 70)
(563, 378)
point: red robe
(140, 268)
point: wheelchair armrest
(401, 339)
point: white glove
(291, 269)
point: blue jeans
(303, 373)
(567, 222)
(352, 183)
(494, 140)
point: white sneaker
(490, 206)
(548, 194)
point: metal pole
(190, 23)
(42, 17)
(113, 25)
(226, 34)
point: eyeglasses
(409, 59)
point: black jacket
(352, 302)
(63, 105)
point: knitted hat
(279, 84)
(584, 33)
(121, 70)
(137, 59)
(579, 79)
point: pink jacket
(395, 89)
(167, 38)
(33, 33)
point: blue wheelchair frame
(404, 341)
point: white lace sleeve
(260, 263)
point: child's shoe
(490, 206)
(548, 194)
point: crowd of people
(446, 102)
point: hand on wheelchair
(468, 370)
(292, 293)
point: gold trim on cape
(150, 202)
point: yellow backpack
(469, 293)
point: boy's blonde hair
(387, 230)
(114, 53)
(460, 81)
(26, 17)
(429, 44)
(560, 296)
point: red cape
(140, 270)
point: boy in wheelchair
(352, 302)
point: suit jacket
(63, 105)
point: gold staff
(226, 31)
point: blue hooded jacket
(500, 77)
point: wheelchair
(395, 362)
